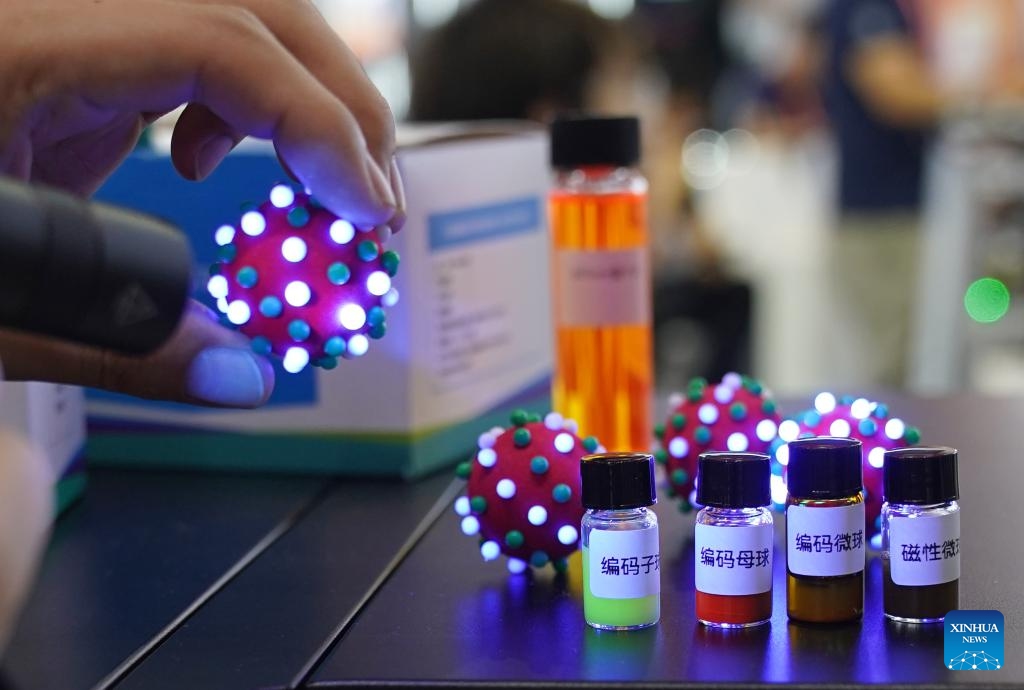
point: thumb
(203, 363)
(26, 508)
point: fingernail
(398, 220)
(226, 376)
(211, 154)
(383, 233)
(381, 186)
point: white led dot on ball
(537, 515)
(295, 359)
(737, 442)
(516, 566)
(378, 283)
(358, 345)
(217, 286)
(789, 430)
(564, 443)
(462, 506)
(253, 223)
(724, 394)
(708, 413)
(733, 380)
(766, 430)
(282, 196)
(470, 525)
(782, 454)
(824, 403)
(506, 488)
(390, 299)
(222, 305)
(839, 427)
(297, 293)
(225, 234)
(895, 428)
(293, 249)
(567, 535)
(352, 316)
(678, 447)
(239, 312)
(553, 421)
(485, 440)
(675, 400)
(342, 231)
(876, 457)
(487, 457)
(571, 425)
(778, 489)
(490, 550)
(861, 408)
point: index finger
(226, 59)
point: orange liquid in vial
(602, 296)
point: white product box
(469, 341)
(52, 417)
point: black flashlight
(87, 272)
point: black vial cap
(582, 141)
(921, 476)
(734, 480)
(824, 467)
(613, 481)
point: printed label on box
(924, 550)
(733, 560)
(825, 541)
(624, 564)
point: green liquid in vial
(617, 614)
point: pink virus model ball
(869, 422)
(303, 283)
(735, 414)
(523, 493)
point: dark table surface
(215, 581)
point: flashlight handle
(88, 272)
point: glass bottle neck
(734, 512)
(619, 514)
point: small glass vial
(825, 551)
(920, 534)
(601, 280)
(621, 550)
(733, 540)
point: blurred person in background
(884, 101)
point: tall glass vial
(733, 540)
(621, 549)
(825, 530)
(601, 280)
(920, 534)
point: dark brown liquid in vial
(819, 599)
(925, 602)
(825, 599)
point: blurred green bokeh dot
(987, 300)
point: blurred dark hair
(502, 58)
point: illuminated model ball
(735, 414)
(302, 283)
(523, 495)
(859, 418)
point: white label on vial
(825, 541)
(624, 564)
(610, 287)
(924, 550)
(733, 560)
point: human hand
(81, 79)
(26, 506)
